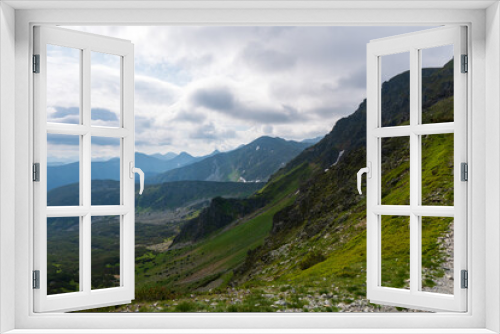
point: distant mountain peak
(256, 161)
(184, 154)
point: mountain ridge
(254, 162)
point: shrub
(185, 307)
(312, 259)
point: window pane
(105, 252)
(437, 255)
(395, 171)
(63, 170)
(437, 84)
(105, 89)
(106, 156)
(395, 235)
(63, 84)
(63, 255)
(395, 89)
(437, 169)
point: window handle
(368, 171)
(139, 171)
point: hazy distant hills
(252, 162)
(60, 175)
(159, 197)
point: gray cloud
(209, 132)
(103, 114)
(268, 129)
(105, 141)
(62, 112)
(223, 100)
(142, 123)
(154, 91)
(57, 139)
(190, 116)
(355, 79)
(208, 82)
(266, 59)
(214, 98)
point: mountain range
(299, 243)
(254, 162)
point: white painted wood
(419, 210)
(419, 129)
(247, 4)
(7, 166)
(86, 298)
(471, 322)
(492, 187)
(412, 43)
(74, 129)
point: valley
(298, 242)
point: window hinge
(36, 279)
(464, 171)
(36, 63)
(465, 279)
(465, 63)
(36, 172)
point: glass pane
(395, 94)
(395, 235)
(395, 171)
(437, 255)
(63, 170)
(105, 252)
(437, 84)
(63, 255)
(63, 84)
(105, 89)
(106, 171)
(437, 169)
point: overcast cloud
(198, 89)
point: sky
(198, 89)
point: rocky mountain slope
(253, 162)
(302, 248)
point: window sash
(412, 43)
(86, 297)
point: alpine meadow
(274, 225)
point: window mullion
(414, 172)
(85, 182)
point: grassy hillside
(304, 248)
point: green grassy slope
(306, 247)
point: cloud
(189, 116)
(198, 88)
(355, 79)
(103, 114)
(62, 112)
(105, 141)
(265, 59)
(215, 98)
(238, 104)
(142, 123)
(209, 132)
(57, 139)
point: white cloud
(203, 88)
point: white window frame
(412, 44)
(85, 298)
(483, 21)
